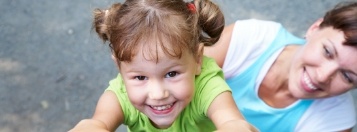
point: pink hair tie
(191, 7)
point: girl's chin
(162, 120)
(162, 124)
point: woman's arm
(226, 116)
(219, 50)
(107, 116)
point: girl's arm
(219, 50)
(226, 116)
(108, 115)
(348, 130)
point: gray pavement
(53, 68)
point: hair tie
(191, 7)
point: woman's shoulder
(250, 38)
(258, 23)
(260, 30)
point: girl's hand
(89, 125)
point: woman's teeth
(309, 83)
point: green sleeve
(209, 84)
(130, 113)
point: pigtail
(99, 24)
(211, 21)
(102, 21)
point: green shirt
(208, 85)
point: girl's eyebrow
(168, 64)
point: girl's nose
(157, 91)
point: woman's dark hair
(344, 18)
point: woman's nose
(157, 91)
(327, 71)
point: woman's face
(324, 67)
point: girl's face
(324, 67)
(160, 89)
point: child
(165, 82)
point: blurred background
(53, 67)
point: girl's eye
(171, 74)
(347, 77)
(140, 78)
(327, 52)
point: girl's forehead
(154, 49)
(148, 62)
(158, 53)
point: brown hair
(170, 24)
(343, 17)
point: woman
(284, 83)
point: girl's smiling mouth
(162, 109)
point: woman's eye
(327, 52)
(347, 77)
(140, 78)
(171, 74)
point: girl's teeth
(163, 107)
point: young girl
(165, 82)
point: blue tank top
(256, 111)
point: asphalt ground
(53, 67)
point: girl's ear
(199, 58)
(314, 27)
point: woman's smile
(307, 84)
